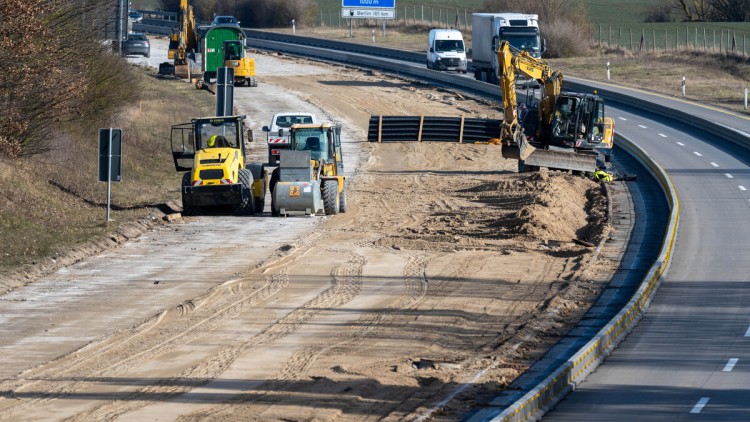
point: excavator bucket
(520, 150)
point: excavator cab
(578, 122)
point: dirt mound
(562, 207)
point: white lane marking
(747, 333)
(662, 135)
(680, 144)
(729, 176)
(698, 153)
(643, 127)
(730, 365)
(623, 119)
(742, 187)
(714, 164)
(699, 406)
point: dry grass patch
(50, 203)
(714, 79)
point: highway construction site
(449, 275)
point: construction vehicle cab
(310, 177)
(211, 151)
(244, 67)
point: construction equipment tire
(259, 205)
(247, 206)
(187, 207)
(343, 206)
(331, 197)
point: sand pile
(562, 207)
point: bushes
(564, 23)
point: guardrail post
(745, 99)
(608, 71)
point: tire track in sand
(344, 287)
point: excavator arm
(514, 143)
(185, 39)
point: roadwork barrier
(431, 129)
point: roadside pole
(110, 161)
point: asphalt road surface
(689, 357)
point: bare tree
(53, 68)
(693, 10)
(731, 10)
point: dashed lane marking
(742, 187)
(680, 144)
(730, 365)
(662, 135)
(729, 176)
(643, 127)
(714, 164)
(698, 153)
(699, 406)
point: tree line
(55, 70)
(253, 13)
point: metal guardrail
(316, 47)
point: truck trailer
(490, 29)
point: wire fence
(673, 39)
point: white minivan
(446, 51)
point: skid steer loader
(309, 179)
(211, 151)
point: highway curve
(688, 358)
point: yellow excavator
(183, 41)
(566, 130)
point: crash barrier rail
(562, 381)
(366, 55)
(409, 56)
(553, 388)
(431, 129)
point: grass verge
(52, 203)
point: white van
(446, 51)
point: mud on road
(447, 263)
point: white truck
(490, 29)
(446, 51)
(277, 135)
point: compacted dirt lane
(449, 268)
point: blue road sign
(386, 4)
